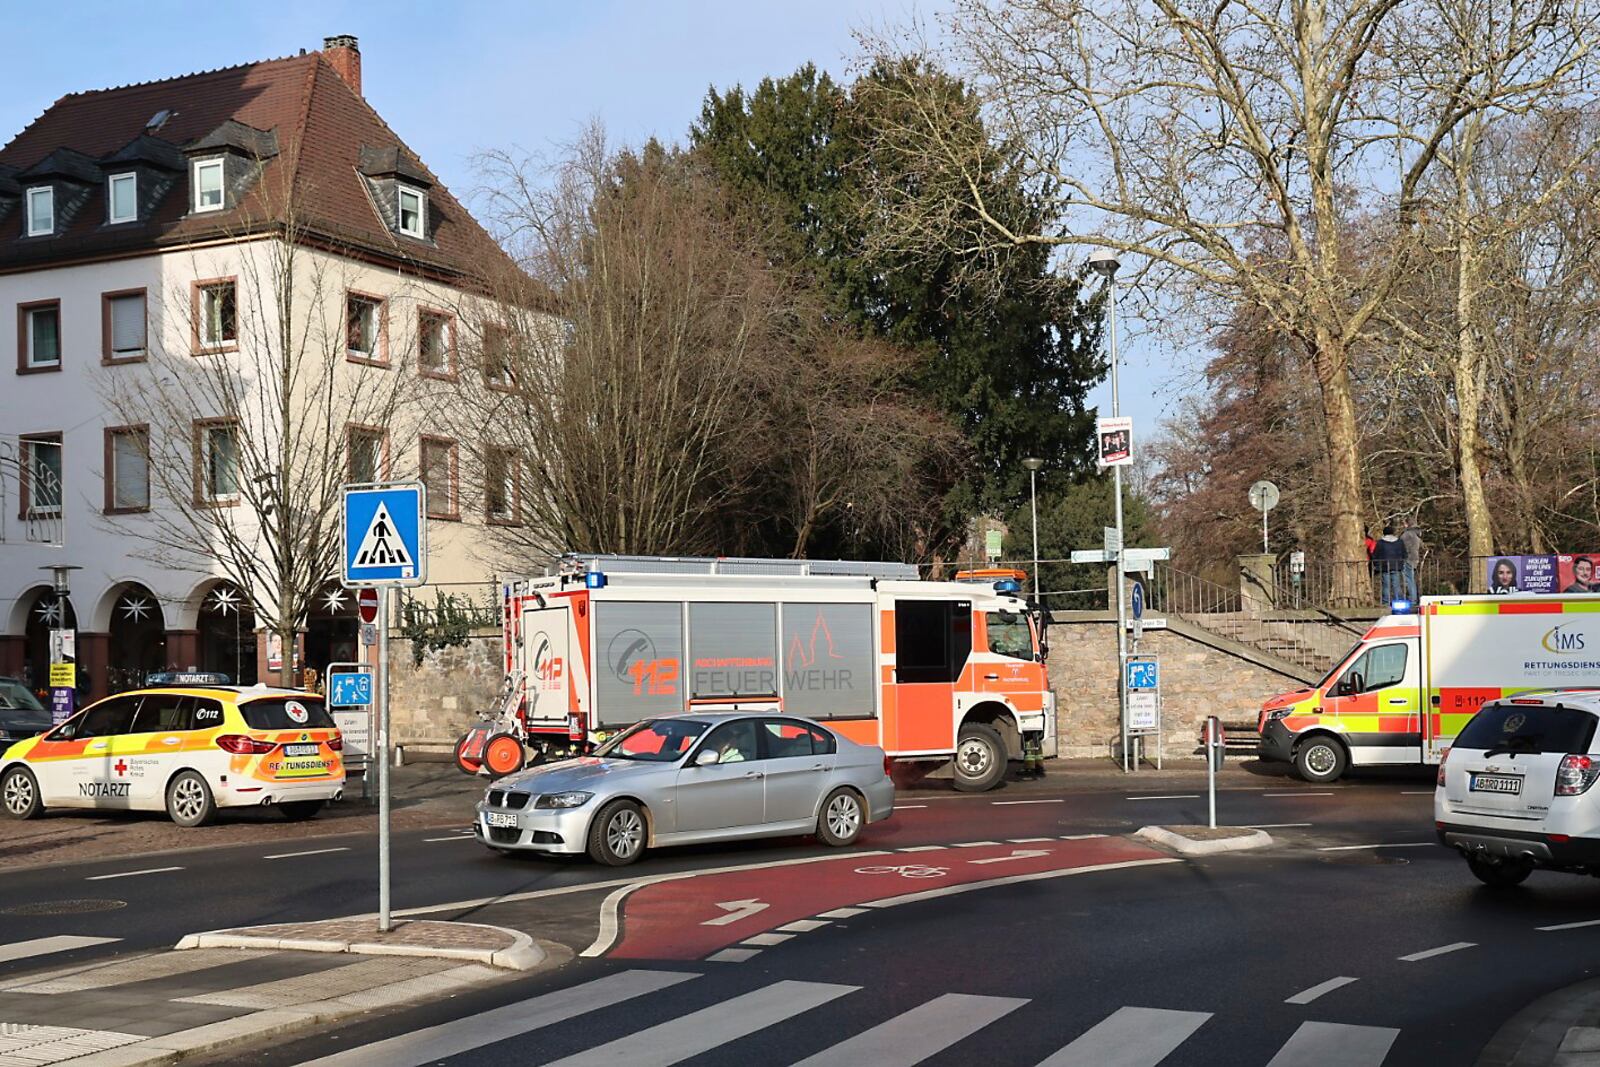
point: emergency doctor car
(188, 750)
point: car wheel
(1320, 759)
(617, 834)
(841, 819)
(503, 755)
(1500, 875)
(189, 800)
(19, 793)
(300, 810)
(980, 760)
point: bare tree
(247, 394)
(1227, 146)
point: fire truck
(927, 670)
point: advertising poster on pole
(1114, 441)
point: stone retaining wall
(437, 701)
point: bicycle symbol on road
(908, 870)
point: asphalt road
(1300, 953)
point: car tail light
(1442, 757)
(245, 746)
(888, 766)
(1576, 775)
(336, 743)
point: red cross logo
(121, 767)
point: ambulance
(1403, 693)
(185, 749)
(946, 671)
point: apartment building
(185, 259)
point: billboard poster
(1114, 441)
(1565, 573)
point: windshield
(1009, 634)
(654, 740)
(1528, 728)
(295, 713)
(15, 695)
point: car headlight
(1274, 716)
(573, 799)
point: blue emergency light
(594, 579)
(1008, 585)
(1400, 607)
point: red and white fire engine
(928, 670)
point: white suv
(1513, 791)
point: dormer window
(41, 211)
(412, 212)
(208, 185)
(122, 198)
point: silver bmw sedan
(690, 779)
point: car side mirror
(1352, 684)
(707, 758)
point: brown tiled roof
(323, 132)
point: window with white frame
(413, 211)
(41, 211)
(41, 335)
(363, 327)
(125, 325)
(218, 461)
(217, 313)
(207, 178)
(127, 468)
(122, 199)
(42, 475)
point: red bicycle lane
(692, 918)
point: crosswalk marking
(475, 1031)
(913, 1036)
(43, 946)
(701, 1031)
(1335, 1045)
(1130, 1037)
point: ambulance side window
(108, 718)
(204, 714)
(160, 712)
(1379, 667)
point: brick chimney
(343, 53)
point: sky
(454, 79)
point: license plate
(299, 750)
(501, 818)
(1496, 783)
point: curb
(1188, 846)
(521, 955)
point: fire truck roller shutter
(638, 660)
(828, 663)
(733, 650)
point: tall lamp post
(1034, 464)
(1105, 263)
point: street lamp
(1105, 263)
(1033, 464)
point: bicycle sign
(908, 870)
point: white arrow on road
(1016, 854)
(736, 909)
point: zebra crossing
(1128, 1037)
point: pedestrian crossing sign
(385, 534)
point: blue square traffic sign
(385, 535)
(350, 689)
(1143, 674)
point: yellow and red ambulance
(185, 749)
(1400, 696)
(947, 671)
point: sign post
(1142, 681)
(1264, 497)
(385, 544)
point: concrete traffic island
(1205, 840)
(427, 938)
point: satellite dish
(1264, 496)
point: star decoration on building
(334, 601)
(225, 600)
(49, 612)
(136, 608)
